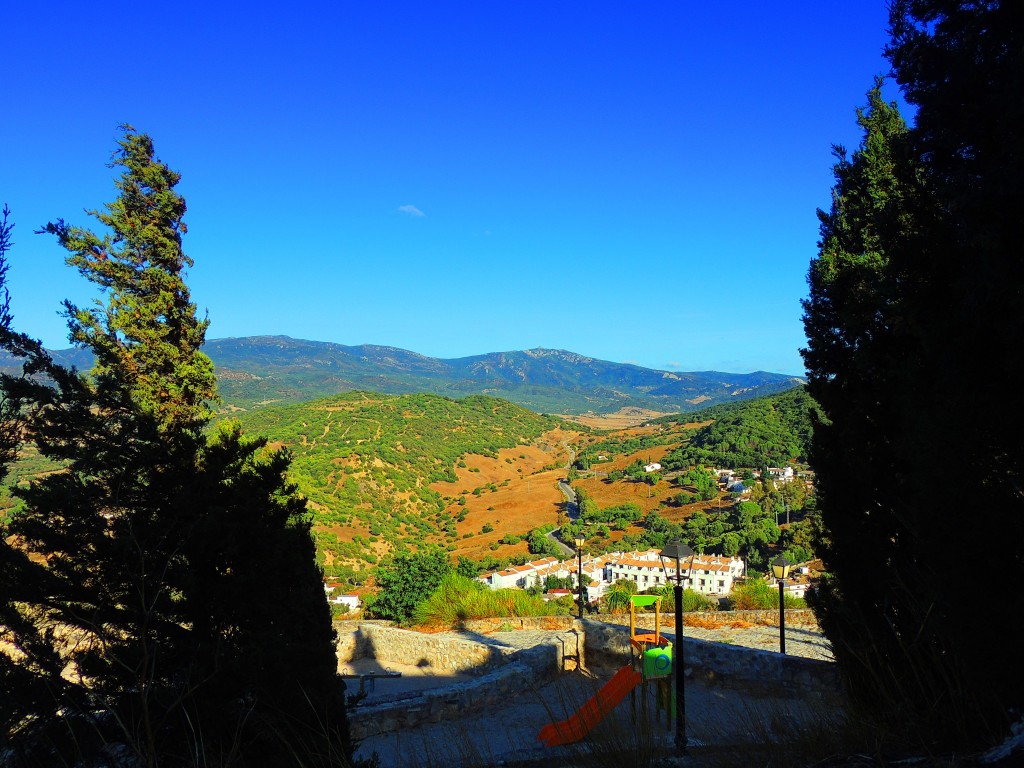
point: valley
(479, 477)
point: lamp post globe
(780, 569)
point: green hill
(256, 371)
(765, 431)
(365, 461)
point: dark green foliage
(466, 567)
(32, 684)
(406, 581)
(180, 571)
(767, 431)
(9, 417)
(917, 288)
(701, 480)
(538, 542)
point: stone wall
(735, 666)
(442, 653)
(359, 639)
(503, 672)
(797, 617)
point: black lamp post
(580, 540)
(678, 551)
(780, 568)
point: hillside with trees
(767, 431)
(366, 461)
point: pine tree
(185, 588)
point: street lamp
(580, 540)
(678, 551)
(780, 568)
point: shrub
(758, 595)
(458, 598)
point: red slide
(593, 712)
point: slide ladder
(598, 706)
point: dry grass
(526, 494)
(621, 419)
(710, 621)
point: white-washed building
(709, 574)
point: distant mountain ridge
(259, 370)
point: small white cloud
(673, 365)
(411, 210)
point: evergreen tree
(916, 298)
(183, 582)
(29, 664)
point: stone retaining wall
(441, 653)
(748, 669)
(645, 619)
(504, 672)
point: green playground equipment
(650, 662)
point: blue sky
(635, 182)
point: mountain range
(260, 370)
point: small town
(707, 575)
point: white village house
(710, 574)
(336, 598)
(535, 572)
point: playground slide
(593, 712)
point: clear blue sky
(635, 182)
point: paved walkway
(635, 732)
(507, 734)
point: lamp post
(780, 568)
(678, 551)
(580, 540)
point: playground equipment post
(678, 551)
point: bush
(407, 581)
(459, 598)
(693, 602)
(758, 595)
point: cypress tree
(916, 298)
(183, 581)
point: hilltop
(256, 371)
(259, 369)
(475, 476)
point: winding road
(572, 509)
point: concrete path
(637, 731)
